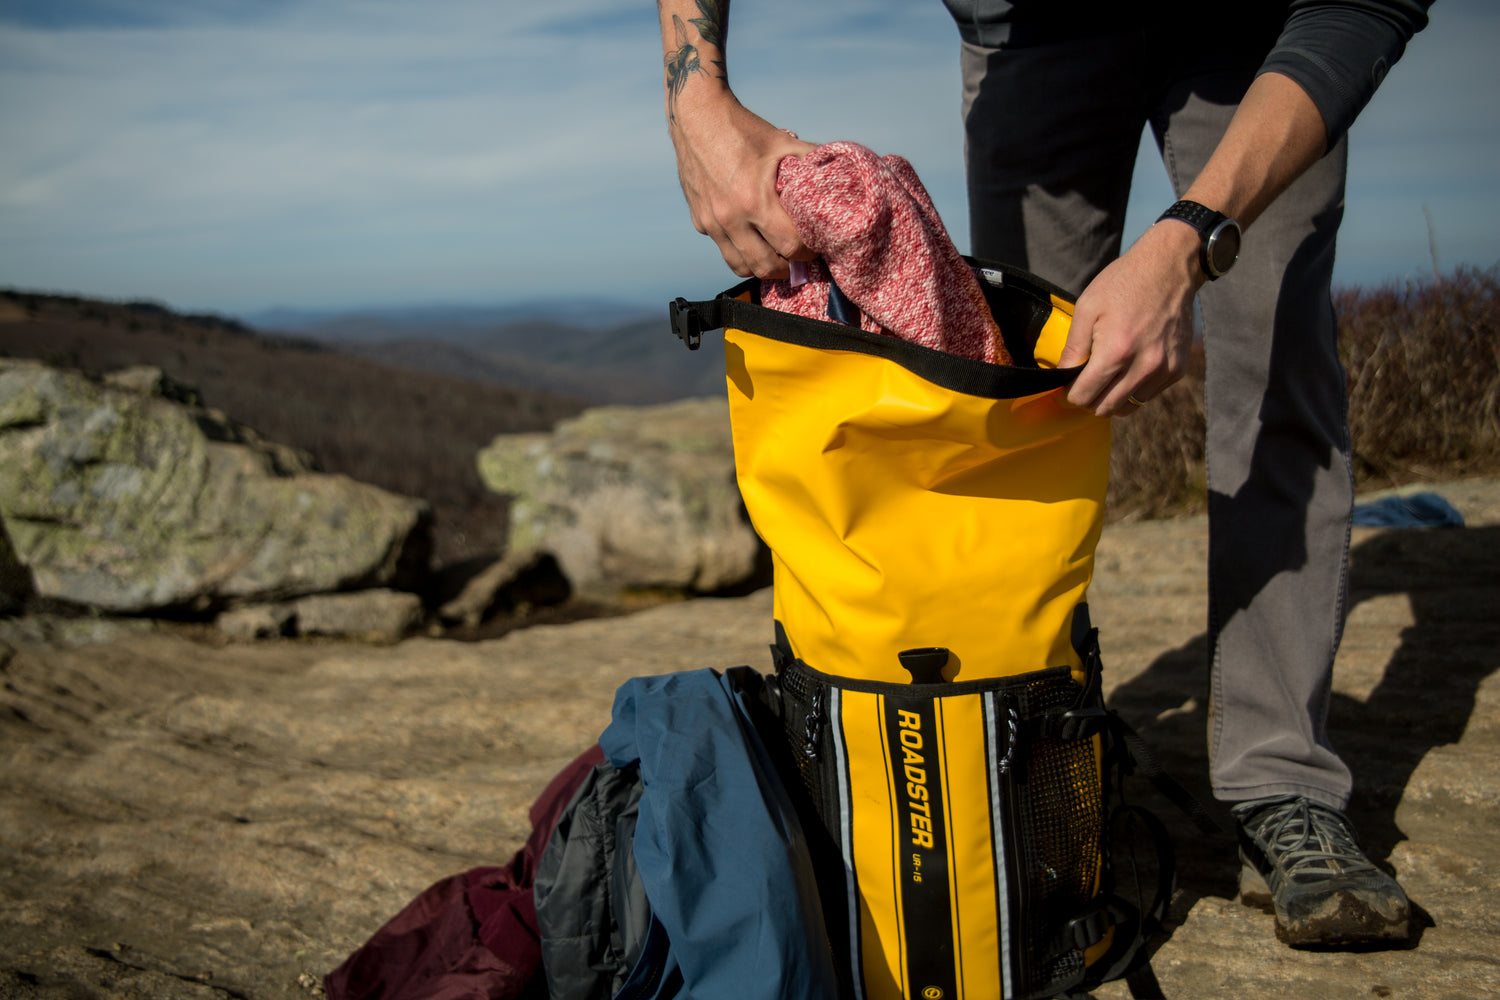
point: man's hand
(726, 156)
(1133, 325)
(726, 161)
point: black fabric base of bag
(1065, 755)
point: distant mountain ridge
(634, 361)
(399, 322)
(595, 351)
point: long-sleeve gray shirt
(1336, 50)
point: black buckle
(1082, 723)
(1070, 724)
(1088, 928)
(685, 323)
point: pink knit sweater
(878, 234)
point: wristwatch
(1220, 236)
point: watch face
(1223, 247)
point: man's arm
(726, 156)
(1134, 321)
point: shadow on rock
(1426, 695)
(1423, 700)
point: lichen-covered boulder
(119, 498)
(630, 497)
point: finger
(1118, 389)
(1094, 387)
(754, 241)
(1132, 405)
(1113, 401)
(772, 269)
(747, 253)
(781, 236)
(778, 232)
(1143, 384)
(775, 224)
(1076, 348)
(1130, 394)
(733, 259)
(762, 258)
(765, 238)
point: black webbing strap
(1143, 983)
(1144, 758)
(1127, 957)
(1133, 927)
(690, 320)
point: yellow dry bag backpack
(932, 521)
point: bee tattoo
(684, 60)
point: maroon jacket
(471, 936)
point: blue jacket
(720, 852)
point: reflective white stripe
(846, 836)
(997, 838)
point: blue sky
(234, 155)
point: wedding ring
(1135, 402)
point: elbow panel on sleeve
(1340, 53)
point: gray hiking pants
(1052, 134)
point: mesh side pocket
(804, 718)
(1060, 823)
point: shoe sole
(1343, 920)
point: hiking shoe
(1302, 862)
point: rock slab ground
(183, 818)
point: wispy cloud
(70, 15)
(240, 153)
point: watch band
(1200, 217)
(1212, 227)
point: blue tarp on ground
(1415, 510)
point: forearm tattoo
(684, 61)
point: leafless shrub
(1424, 377)
(1423, 362)
(1156, 467)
